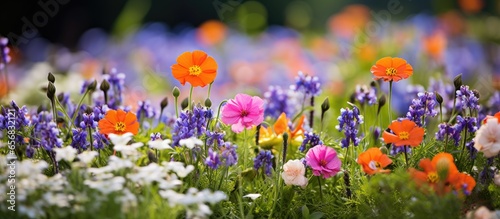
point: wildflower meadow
(218, 122)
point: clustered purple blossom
(365, 95)
(228, 153)
(307, 84)
(349, 121)
(45, 131)
(155, 136)
(264, 159)
(145, 109)
(88, 121)
(310, 138)
(190, 123)
(16, 114)
(455, 131)
(79, 139)
(487, 174)
(276, 102)
(213, 161)
(99, 140)
(424, 105)
(396, 150)
(467, 99)
(4, 52)
(215, 137)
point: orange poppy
(119, 122)
(405, 133)
(374, 161)
(391, 69)
(463, 182)
(437, 174)
(195, 67)
(272, 137)
(497, 116)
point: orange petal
(390, 138)
(416, 136)
(384, 160)
(199, 57)
(298, 127)
(398, 62)
(427, 165)
(185, 59)
(209, 65)
(111, 116)
(281, 125)
(120, 115)
(386, 62)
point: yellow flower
(271, 138)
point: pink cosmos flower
(244, 111)
(323, 160)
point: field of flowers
(211, 122)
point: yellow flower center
(120, 127)
(432, 177)
(404, 135)
(195, 70)
(391, 71)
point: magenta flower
(244, 111)
(323, 160)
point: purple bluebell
(310, 139)
(309, 85)
(276, 102)
(88, 121)
(365, 95)
(155, 136)
(79, 139)
(468, 122)
(467, 99)
(444, 130)
(100, 112)
(264, 159)
(20, 114)
(487, 174)
(423, 105)
(228, 154)
(117, 82)
(145, 110)
(399, 149)
(189, 124)
(30, 151)
(349, 121)
(4, 52)
(45, 131)
(215, 137)
(472, 150)
(213, 160)
(376, 131)
(100, 141)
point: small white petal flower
(120, 139)
(293, 173)
(253, 196)
(87, 156)
(65, 153)
(487, 138)
(160, 144)
(191, 142)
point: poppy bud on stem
(439, 99)
(51, 78)
(51, 91)
(105, 87)
(176, 92)
(311, 114)
(285, 145)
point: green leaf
(305, 212)
(316, 215)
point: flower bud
(373, 84)
(104, 85)
(457, 81)
(381, 103)
(92, 86)
(51, 91)
(184, 103)
(51, 78)
(325, 106)
(439, 98)
(442, 168)
(476, 93)
(176, 92)
(384, 150)
(208, 103)
(164, 103)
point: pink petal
(237, 128)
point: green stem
(91, 139)
(78, 107)
(389, 102)
(176, 107)
(406, 158)
(245, 148)
(54, 111)
(209, 89)
(190, 105)
(240, 197)
(218, 113)
(441, 112)
(320, 189)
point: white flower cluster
(120, 181)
